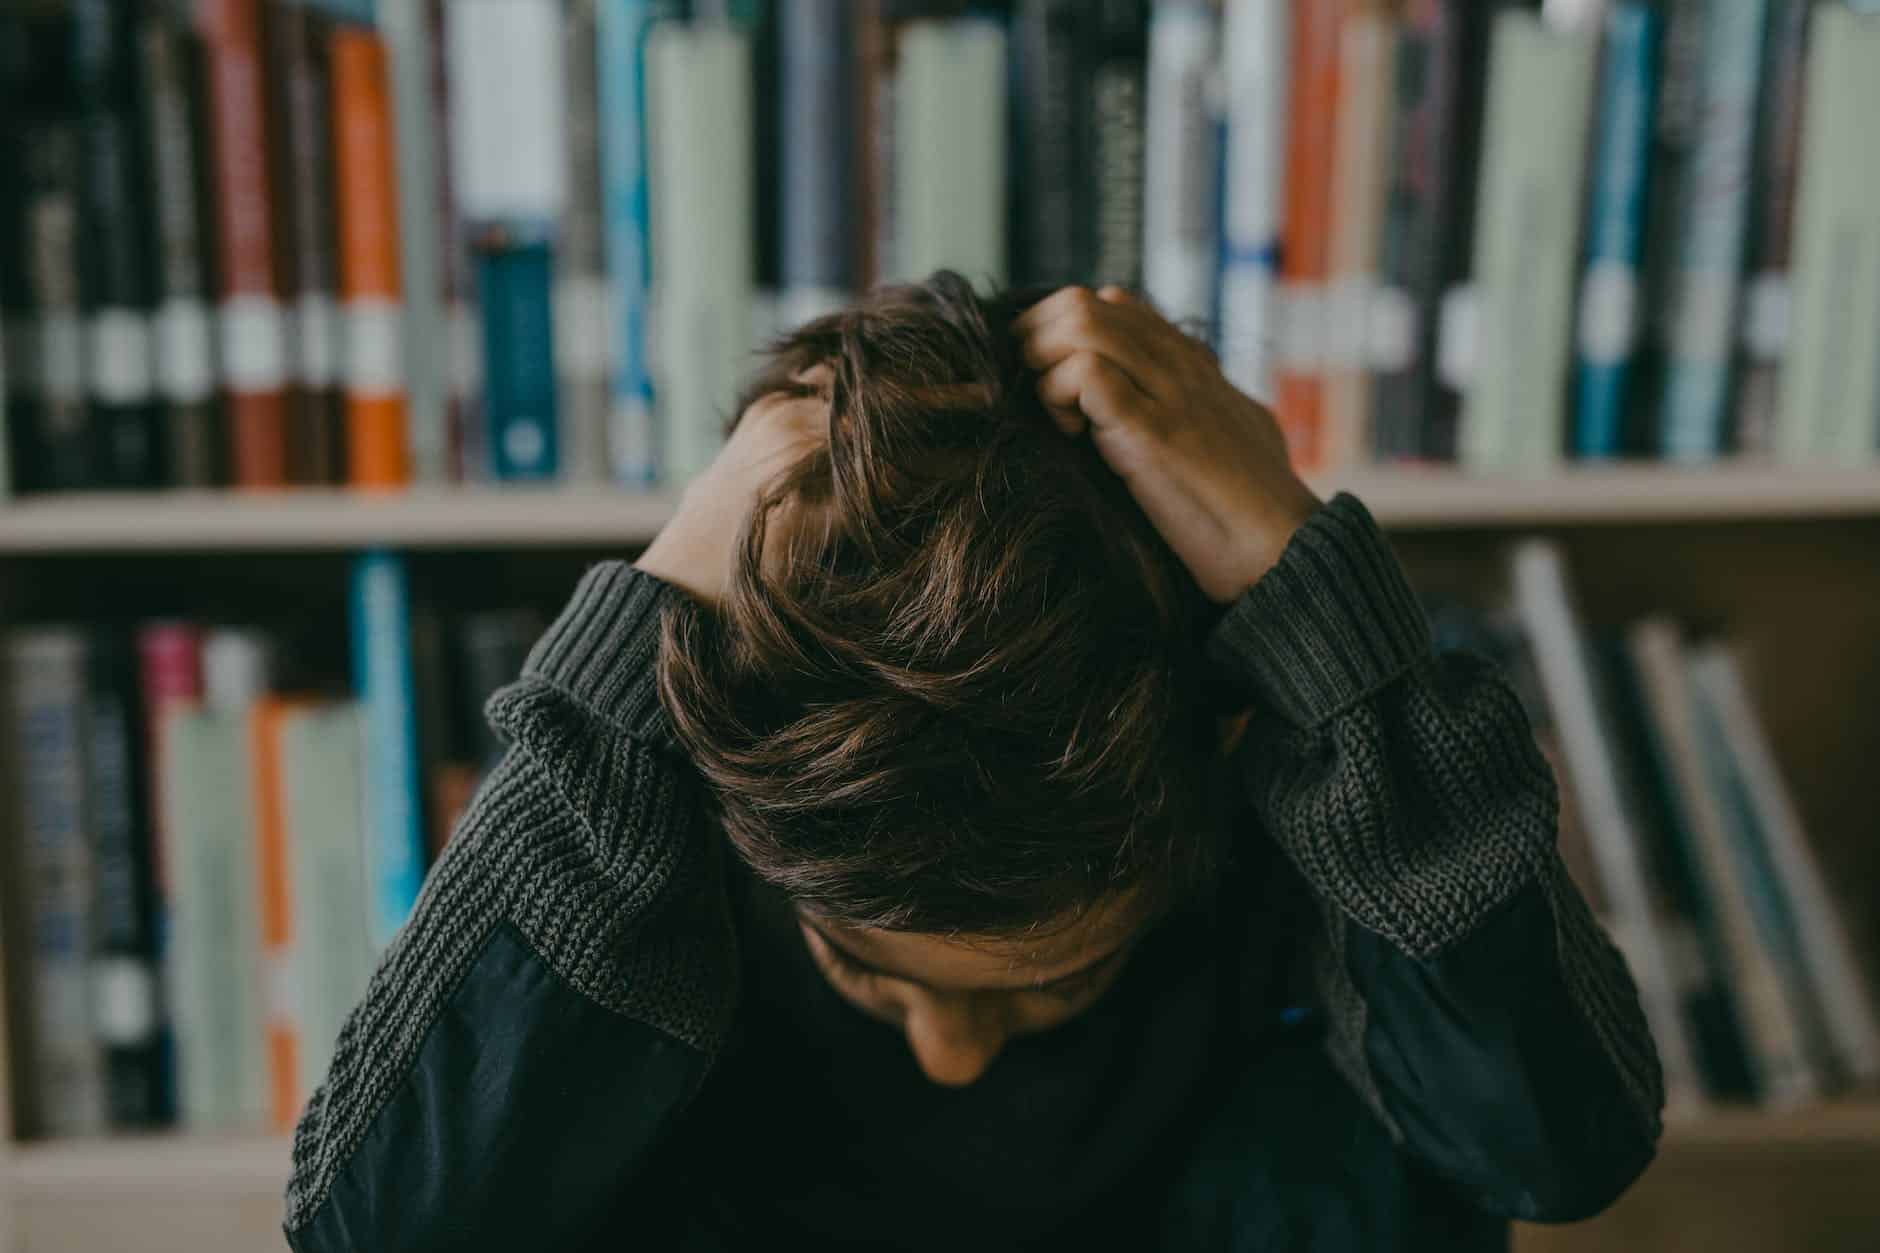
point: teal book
(382, 679)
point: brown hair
(961, 692)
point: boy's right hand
(695, 550)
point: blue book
(1615, 230)
(516, 292)
(620, 48)
(382, 677)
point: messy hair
(959, 690)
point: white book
(1527, 222)
(1830, 409)
(701, 173)
(1544, 606)
(215, 936)
(1254, 41)
(45, 688)
(1766, 1011)
(1180, 171)
(1841, 987)
(948, 177)
(324, 803)
(408, 38)
(508, 152)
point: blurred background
(340, 336)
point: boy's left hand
(1206, 462)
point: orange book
(377, 440)
(1305, 227)
(274, 861)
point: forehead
(967, 962)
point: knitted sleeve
(567, 974)
(1470, 996)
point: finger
(1049, 307)
(1094, 386)
(1073, 333)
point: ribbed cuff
(603, 649)
(1332, 622)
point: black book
(1053, 218)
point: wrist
(1268, 524)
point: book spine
(1831, 375)
(814, 84)
(873, 140)
(60, 440)
(253, 330)
(6, 440)
(1615, 231)
(300, 149)
(620, 52)
(377, 443)
(492, 648)
(184, 330)
(62, 1058)
(461, 342)
(1181, 202)
(1367, 59)
(321, 798)
(949, 174)
(582, 336)
(1312, 109)
(508, 156)
(1527, 232)
(1772, 223)
(1255, 43)
(410, 37)
(1118, 142)
(115, 261)
(1051, 244)
(382, 678)
(1707, 279)
(699, 97)
(274, 890)
(124, 978)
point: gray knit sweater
(1403, 785)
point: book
(462, 342)
(382, 682)
(1706, 280)
(411, 38)
(1840, 985)
(114, 263)
(125, 1003)
(582, 336)
(6, 447)
(508, 159)
(1254, 48)
(872, 140)
(208, 805)
(1527, 234)
(46, 693)
(1610, 301)
(814, 89)
(1636, 910)
(378, 453)
(1052, 226)
(1675, 126)
(698, 85)
(321, 799)
(1181, 165)
(949, 169)
(184, 329)
(1763, 991)
(58, 439)
(1118, 141)
(1830, 410)
(1360, 162)
(300, 148)
(1773, 170)
(274, 890)
(252, 324)
(492, 647)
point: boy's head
(953, 689)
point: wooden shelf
(232, 1164)
(1404, 498)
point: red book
(377, 445)
(1305, 228)
(253, 326)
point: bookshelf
(1784, 557)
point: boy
(1003, 808)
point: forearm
(1484, 1013)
